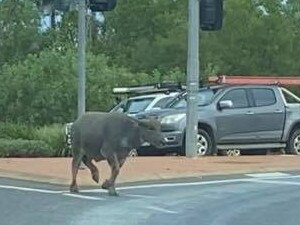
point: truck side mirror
(226, 104)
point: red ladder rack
(267, 80)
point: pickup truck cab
(243, 117)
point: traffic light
(102, 5)
(211, 15)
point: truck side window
(263, 96)
(238, 98)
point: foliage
(152, 36)
(254, 40)
(16, 131)
(19, 26)
(54, 137)
(21, 139)
(43, 89)
(24, 148)
(141, 41)
(39, 90)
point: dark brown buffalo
(109, 136)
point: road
(264, 199)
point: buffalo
(109, 136)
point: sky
(46, 20)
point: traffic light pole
(192, 79)
(81, 56)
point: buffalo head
(150, 131)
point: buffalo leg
(94, 171)
(75, 166)
(115, 169)
(122, 160)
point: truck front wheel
(204, 144)
(294, 143)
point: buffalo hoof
(95, 177)
(106, 185)
(112, 192)
(74, 189)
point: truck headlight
(172, 118)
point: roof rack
(266, 80)
(165, 87)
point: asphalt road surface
(262, 199)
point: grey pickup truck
(235, 117)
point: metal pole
(81, 56)
(192, 79)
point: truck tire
(293, 145)
(204, 144)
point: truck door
(268, 113)
(235, 124)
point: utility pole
(94, 6)
(81, 56)
(192, 79)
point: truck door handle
(249, 113)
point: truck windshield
(132, 106)
(289, 97)
(137, 105)
(204, 98)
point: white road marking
(279, 178)
(180, 184)
(29, 189)
(94, 191)
(199, 183)
(274, 182)
(268, 175)
(84, 197)
(270, 178)
(123, 194)
(159, 209)
(170, 185)
(139, 196)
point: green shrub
(17, 140)
(25, 148)
(53, 136)
(16, 131)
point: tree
(19, 25)
(52, 7)
(146, 35)
(257, 38)
(43, 88)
